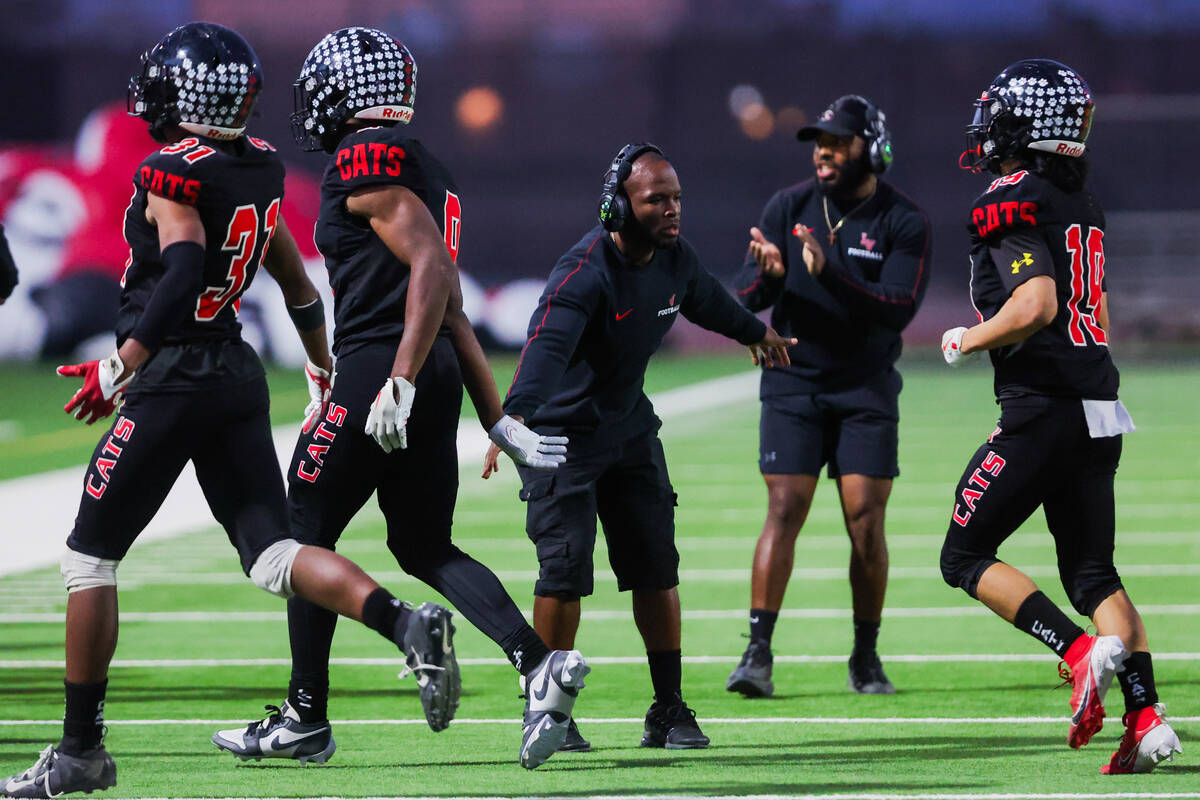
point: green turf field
(975, 713)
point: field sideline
(975, 716)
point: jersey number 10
(241, 238)
(1087, 285)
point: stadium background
(526, 101)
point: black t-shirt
(599, 320)
(237, 188)
(1024, 226)
(370, 285)
(848, 319)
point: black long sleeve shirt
(848, 319)
(598, 321)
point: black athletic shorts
(853, 431)
(336, 466)
(1040, 454)
(225, 431)
(628, 488)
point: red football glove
(100, 393)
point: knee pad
(962, 570)
(272, 569)
(82, 571)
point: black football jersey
(237, 188)
(1024, 226)
(369, 283)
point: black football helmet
(353, 73)
(1037, 104)
(203, 77)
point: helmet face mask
(1036, 104)
(352, 73)
(203, 77)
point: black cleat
(56, 773)
(752, 676)
(672, 726)
(574, 743)
(280, 735)
(428, 644)
(866, 675)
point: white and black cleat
(280, 735)
(428, 645)
(56, 773)
(550, 694)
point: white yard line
(599, 615)
(628, 721)
(911, 658)
(41, 508)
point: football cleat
(866, 675)
(1148, 740)
(428, 644)
(280, 735)
(574, 743)
(56, 773)
(1096, 660)
(752, 675)
(550, 694)
(673, 726)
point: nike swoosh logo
(285, 738)
(623, 316)
(754, 620)
(541, 695)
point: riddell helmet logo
(402, 114)
(1068, 149)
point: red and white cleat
(1148, 740)
(1091, 662)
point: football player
(842, 260)
(607, 305)
(389, 228)
(1038, 287)
(204, 210)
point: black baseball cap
(847, 116)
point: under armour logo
(1026, 260)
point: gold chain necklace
(833, 229)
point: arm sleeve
(708, 305)
(1019, 256)
(756, 291)
(893, 299)
(555, 328)
(8, 268)
(175, 295)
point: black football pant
(335, 469)
(1040, 454)
(224, 431)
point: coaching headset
(614, 207)
(854, 114)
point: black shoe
(280, 735)
(752, 676)
(672, 726)
(428, 644)
(56, 773)
(574, 743)
(866, 675)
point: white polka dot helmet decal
(352, 73)
(203, 77)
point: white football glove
(320, 385)
(527, 447)
(952, 348)
(389, 414)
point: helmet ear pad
(879, 141)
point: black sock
(383, 613)
(866, 634)
(525, 649)
(1043, 620)
(666, 675)
(83, 723)
(310, 630)
(1137, 682)
(762, 625)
